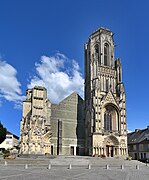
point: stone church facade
(105, 100)
(47, 128)
(94, 126)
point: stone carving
(107, 72)
(35, 124)
(111, 140)
(110, 98)
(107, 97)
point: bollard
(5, 163)
(107, 166)
(122, 167)
(70, 167)
(147, 161)
(137, 166)
(26, 166)
(49, 167)
(89, 166)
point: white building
(11, 142)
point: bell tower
(105, 101)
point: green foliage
(6, 153)
(2, 133)
(129, 158)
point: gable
(110, 98)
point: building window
(111, 118)
(106, 54)
(8, 142)
(77, 151)
(136, 156)
(97, 53)
(96, 49)
(107, 85)
(119, 74)
(8, 137)
(141, 147)
(134, 147)
(141, 155)
(72, 150)
(51, 149)
(107, 121)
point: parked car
(145, 160)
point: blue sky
(48, 36)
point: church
(95, 126)
(105, 99)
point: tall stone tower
(105, 101)
(35, 128)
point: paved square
(37, 169)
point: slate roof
(138, 136)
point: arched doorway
(111, 145)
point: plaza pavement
(64, 167)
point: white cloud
(60, 75)
(129, 131)
(9, 85)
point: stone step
(77, 161)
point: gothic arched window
(107, 121)
(96, 48)
(107, 85)
(97, 52)
(106, 54)
(119, 74)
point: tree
(2, 133)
